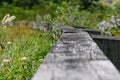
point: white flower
(113, 19)
(110, 26)
(105, 26)
(104, 23)
(23, 59)
(118, 22)
(102, 26)
(9, 43)
(108, 33)
(102, 29)
(6, 60)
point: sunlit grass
(115, 1)
(21, 52)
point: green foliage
(26, 4)
(20, 13)
(71, 12)
(117, 7)
(24, 50)
(110, 27)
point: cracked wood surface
(76, 57)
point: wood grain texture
(110, 46)
(76, 57)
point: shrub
(110, 27)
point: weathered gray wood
(92, 32)
(69, 30)
(105, 37)
(110, 46)
(76, 57)
(105, 70)
(81, 37)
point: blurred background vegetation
(22, 49)
(72, 12)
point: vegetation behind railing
(77, 13)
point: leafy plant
(110, 27)
(24, 50)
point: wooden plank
(111, 48)
(92, 32)
(76, 37)
(66, 71)
(105, 70)
(76, 57)
(105, 37)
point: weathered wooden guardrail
(110, 46)
(76, 57)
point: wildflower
(106, 26)
(113, 19)
(102, 29)
(23, 59)
(118, 22)
(103, 23)
(9, 43)
(6, 60)
(110, 26)
(108, 33)
(102, 26)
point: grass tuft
(24, 50)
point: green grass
(115, 1)
(22, 51)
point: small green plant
(54, 25)
(56, 29)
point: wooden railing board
(76, 57)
